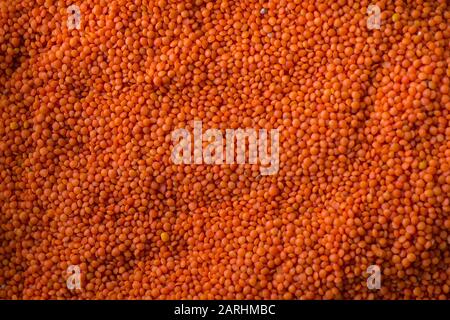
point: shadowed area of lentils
(86, 176)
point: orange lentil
(86, 176)
(165, 236)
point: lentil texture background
(85, 140)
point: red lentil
(85, 170)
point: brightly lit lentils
(86, 177)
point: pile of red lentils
(86, 177)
